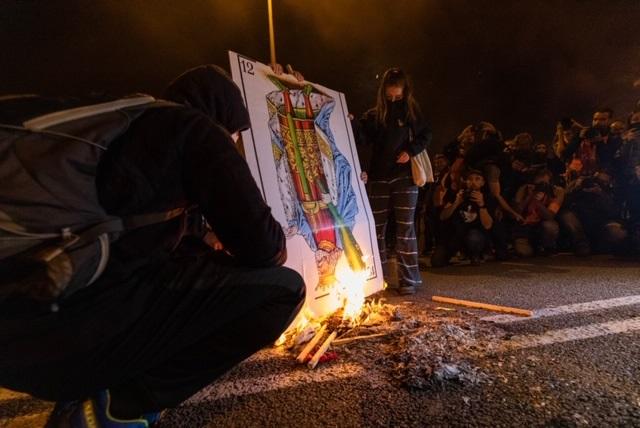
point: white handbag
(421, 169)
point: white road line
(572, 334)
(240, 387)
(567, 309)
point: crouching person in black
(156, 328)
(470, 218)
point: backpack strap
(70, 238)
(58, 117)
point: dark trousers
(399, 195)
(472, 241)
(153, 335)
(543, 234)
(596, 234)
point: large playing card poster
(302, 153)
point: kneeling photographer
(469, 213)
(591, 216)
(538, 203)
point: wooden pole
(272, 36)
(486, 306)
(355, 338)
(316, 357)
(312, 343)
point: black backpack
(54, 235)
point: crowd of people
(497, 197)
(165, 315)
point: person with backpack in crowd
(155, 326)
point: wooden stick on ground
(354, 338)
(312, 343)
(314, 361)
(486, 306)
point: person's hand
(595, 189)
(364, 177)
(403, 157)
(277, 69)
(478, 198)
(518, 166)
(299, 77)
(212, 240)
(583, 133)
(631, 134)
(518, 218)
(459, 197)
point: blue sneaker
(94, 413)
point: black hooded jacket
(211, 91)
(379, 146)
(179, 157)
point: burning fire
(281, 340)
(350, 292)
(313, 336)
(351, 289)
(302, 326)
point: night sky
(519, 64)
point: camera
(589, 183)
(545, 188)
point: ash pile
(423, 350)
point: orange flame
(351, 289)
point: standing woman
(389, 134)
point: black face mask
(397, 111)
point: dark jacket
(379, 146)
(176, 157)
(605, 152)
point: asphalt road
(577, 364)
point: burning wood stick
(354, 338)
(312, 343)
(486, 306)
(322, 350)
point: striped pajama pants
(400, 195)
